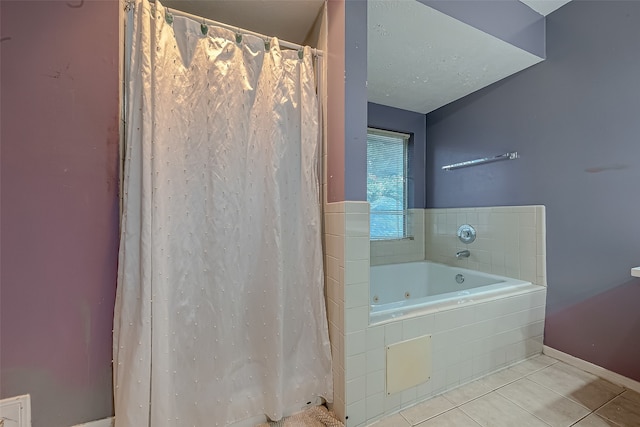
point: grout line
(524, 409)
(606, 403)
(471, 400)
(529, 412)
(562, 395)
(464, 412)
(581, 419)
(598, 415)
(405, 418)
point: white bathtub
(416, 288)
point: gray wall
(355, 94)
(395, 119)
(346, 101)
(575, 120)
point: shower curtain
(220, 312)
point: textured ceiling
(420, 59)
(289, 20)
(545, 7)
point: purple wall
(347, 101)
(574, 121)
(59, 212)
(395, 119)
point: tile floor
(541, 391)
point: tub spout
(463, 254)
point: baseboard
(106, 422)
(593, 369)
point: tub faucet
(463, 254)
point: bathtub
(412, 289)
(476, 327)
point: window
(386, 183)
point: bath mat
(316, 416)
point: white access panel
(408, 364)
(15, 411)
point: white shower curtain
(220, 312)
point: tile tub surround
(333, 239)
(402, 250)
(468, 342)
(511, 240)
(346, 240)
(526, 394)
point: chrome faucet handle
(463, 254)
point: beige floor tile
(579, 386)
(551, 394)
(631, 395)
(594, 421)
(424, 411)
(545, 404)
(501, 378)
(529, 366)
(468, 392)
(621, 411)
(452, 418)
(493, 410)
(393, 421)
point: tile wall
(346, 234)
(334, 236)
(510, 241)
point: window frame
(406, 138)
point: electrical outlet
(15, 411)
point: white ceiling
(545, 7)
(420, 59)
(289, 20)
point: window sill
(393, 240)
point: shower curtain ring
(204, 28)
(168, 16)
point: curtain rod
(283, 43)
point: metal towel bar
(506, 156)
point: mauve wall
(575, 120)
(335, 108)
(395, 119)
(59, 214)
